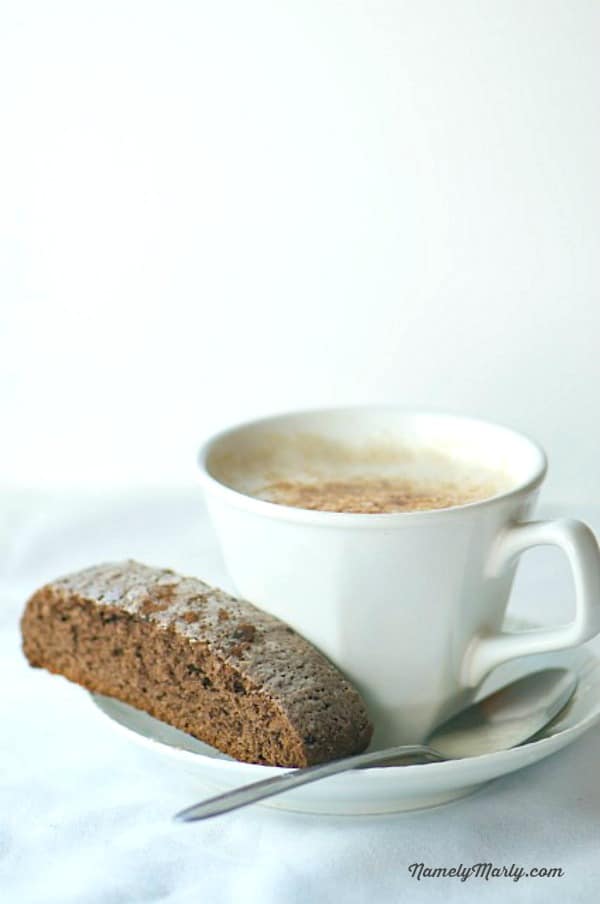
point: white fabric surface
(86, 815)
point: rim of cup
(241, 500)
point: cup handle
(579, 544)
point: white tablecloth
(86, 816)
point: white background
(211, 210)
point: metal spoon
(505, 719)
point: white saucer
(388, 789)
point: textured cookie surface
(197, 658)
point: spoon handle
(268, 787)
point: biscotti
(195, 657)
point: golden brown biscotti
(197, 658)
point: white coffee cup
(409, 605)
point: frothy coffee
(372, 495)
(311, 472)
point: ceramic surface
(410, 606)
(387, 789)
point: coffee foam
(269, 458)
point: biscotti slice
(195, 657)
